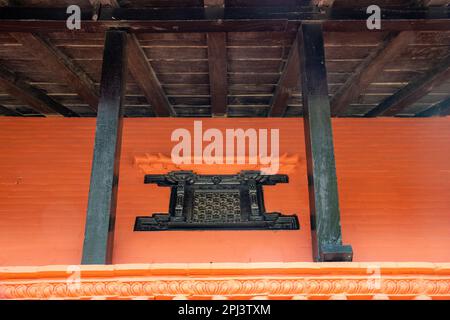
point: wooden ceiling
(240, 74)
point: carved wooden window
(216, 202)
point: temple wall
(393, 175)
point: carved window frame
(185, 184)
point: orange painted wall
(394, 184)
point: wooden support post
(322, 181)
(99, 231)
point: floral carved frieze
(228, 281)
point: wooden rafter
(60, 64)
(32, 96)
(286, 84)
(217, 59)
(441, 108)
(369, 69)
(9, 112)
(146, 78)
(435, 3)
(323, 3)
(412, 92)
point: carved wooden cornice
(161, 163)
(229, 281)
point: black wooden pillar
(322, 182)
(99, 230)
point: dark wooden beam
(322, 181)
(227, 19)
(147, 80)
(369, 69)
(102, 200)
(441, 108)
(59, 64)
(286, 84)
(32, 96)
(412, 92)
(217, 60)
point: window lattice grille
(211, 207)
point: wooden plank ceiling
(188, 74)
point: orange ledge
(229, 281)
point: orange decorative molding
(161, 163)
(229, 281)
